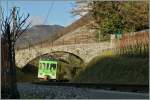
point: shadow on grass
(116, 70)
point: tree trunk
(15, 92)
(9, 86)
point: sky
(59, 11)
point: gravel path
(33, 91)
(28, 90)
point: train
(47, 69)
(54, 70)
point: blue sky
(38, 10)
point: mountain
(38, 33)
(78, 31)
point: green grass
(115, 69)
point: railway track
(115, 87)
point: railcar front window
(43, 65)
(53, 66)
(47, 66)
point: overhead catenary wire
(49, 11)
(6, 7)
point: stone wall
(84, 51)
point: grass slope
(117, 70)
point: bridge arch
(85, 52)
(66, 52)
(56, 55)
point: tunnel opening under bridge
(70, 64)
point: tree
(135, 15)
(118, 16)
(11, 28)
(127, 15)
(80, 8)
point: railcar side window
(40, 66)
(47, 66)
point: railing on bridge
(81, 39)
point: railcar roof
(48, 61)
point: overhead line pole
(14, 20)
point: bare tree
(81, 8)
(12, 27)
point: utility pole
(14, 80)
(14, 33)
(14, 20)
(0, 15)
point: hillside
(78, 32)
(38, 33)
(115, 70)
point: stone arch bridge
(84, 51)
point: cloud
(36, 20)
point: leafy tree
(112, 16)
(135, 15)
(117, 16)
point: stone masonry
(84, 51)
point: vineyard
(135, 44)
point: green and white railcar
(47, 69)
